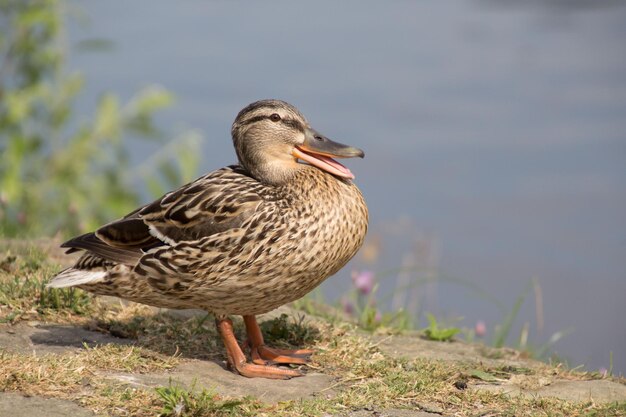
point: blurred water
(496, 128)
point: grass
(441, 334)
(61, 376)
(361, 308)
(366, 377)
(179, 401)
(22, 292)
(286, 332)
(192, 337)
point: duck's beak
(319, 151)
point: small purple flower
(378, 317)
(363, 281)
(603, 372)
(480, 328)
(348, 308)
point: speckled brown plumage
(244, 239)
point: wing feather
(91, 243)
(217, 202)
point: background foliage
(63, 175)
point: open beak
(319, 151)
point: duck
(240, 240)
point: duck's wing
(216, 202)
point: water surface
(494, 132)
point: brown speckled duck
(244, 239)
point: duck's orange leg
(262, 354)
(237, 360)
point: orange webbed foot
(267, 355)
(260, 368)
(254, 370)
(263, 355)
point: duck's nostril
(317, 137)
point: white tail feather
(72, 277)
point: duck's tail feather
(71, 277)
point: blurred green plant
(503, 330)
(59, 174)
(360, 304)
(435, 332)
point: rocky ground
(71, 364)
(39, 339)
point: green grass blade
(503, 332)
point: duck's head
(270, 136)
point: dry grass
(52, 374)
(368, 379)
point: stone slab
(212, 376)
(41, 338)
(392, 413)
(414, 347)
(598, 391)
(16, 405)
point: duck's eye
(275, 117)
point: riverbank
(68, 353)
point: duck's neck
(312, 183)
(275, 172)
